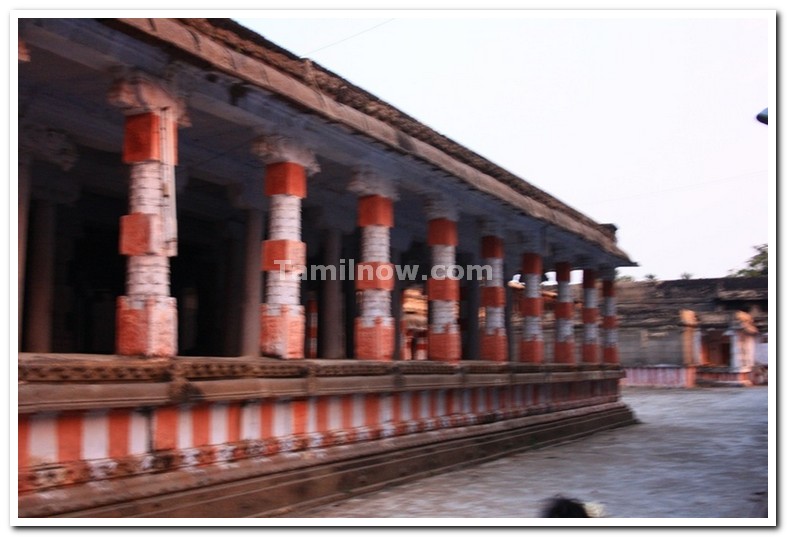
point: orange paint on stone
(589, 279)
(200, 425)
(233, 422)
(267, 407)
(285, 178)
(589, 315)
(442, 289)
(282, 254)
(372, 409)
(282, 331)
(442, 232)
(374, 342)
(611, 355)
(590, 353)
(493, 297)
(564, 352)
(445, 347)
(119, 433)
(564, 310)
(23, 442)
(141, 140)
(300, 416)
(375, 275)
(375, 211)
(165, 434)
(494, 347)
(141, 234)
(532, 351)
(531, 307)
(147, 327)
(609, 322)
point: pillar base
(146, 326)
(531, 351)
(446, 346)
(282, 330)
(374, 340)
(611, 355)
(494, 347)
(590, 353)
(564, 352)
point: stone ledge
(270, 485)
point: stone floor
(698, 453)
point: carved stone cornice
(136, 93)
(272, 149)
(441, 207)
(367, 182)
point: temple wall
(97, 433)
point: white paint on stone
(285, 217)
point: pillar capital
(438, 207)
(48, 144)
(273, 149)
(368, 182)
(138, 93)
(492, 228)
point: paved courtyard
(697, 453)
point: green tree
(686, 276)
(757, 265)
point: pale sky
(643, 120)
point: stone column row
(147, 314)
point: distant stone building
(687, 332)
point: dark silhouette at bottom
(564, 508)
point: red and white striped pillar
(442, 287)
(375, 274)
(282, 317)
(494, 342)
(609, 322)
(531, 306)
(564, 315)
(589, 317)
(146, 322)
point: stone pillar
(332, 313)
(494, 342)
(38, 336)
(146, 322)
(532, 348)
(375, 274)
(589, 317)
(252, 285)
(609, 323)
(564, 316)
(443, 289)
(282, 315)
